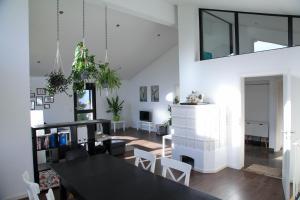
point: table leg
(63, 192)
(114, 127)
(163, 146)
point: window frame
(89, 86)
(236, 31)
(201, 32)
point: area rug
(264, 170)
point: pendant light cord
(83, 21)
(58, 61)
(57, 20)
(106, 36)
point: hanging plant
(57, 83)
(107, 78)
(56, 80)
(83, 68)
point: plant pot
(116, 118)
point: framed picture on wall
(46, 106)
(155, 93)
(143, 93)
(41, 91)
(32, 95)
(49, 99)
(32, 105)
(39, 100)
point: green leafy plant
(57, 83)
(115, 107)
(107, 78)
(83, 67)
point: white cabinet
(197, 134)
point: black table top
(106, 177)
(68, 124)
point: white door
(291, 99)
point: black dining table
(110, 178)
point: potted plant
(83, 67)
(57, 83)
(107, 78)
(115, 107)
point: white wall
(15, 148)
(62, 110)
(221, 79)
(257, 102)
(163, 72)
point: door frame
(286, 95)
(88, 86)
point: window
(217, 30)
(225, 33)
(270, 29)
(296, 31)
(85, 104)
(263, 46)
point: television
(145, 116)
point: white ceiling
(265, 6)
(132, 46)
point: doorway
(85, 103)
(264, 125)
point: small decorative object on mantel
(194, 99)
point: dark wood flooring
(261, 155)
(228, 184)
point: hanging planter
(83, 68)
(56, 80)
(107, 78)
(57, 83)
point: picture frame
(32, 105)
(143, 94)
(154, 93)
(41, 91)
(32, 95)
(39, 100)
(49, 99)
(46, 106)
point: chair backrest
(33, 189)
(141, 156)
(169, 164)
(50, 195)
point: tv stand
(149, 125)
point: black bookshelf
(72, 126)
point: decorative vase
(116, 118)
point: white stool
(115, 123)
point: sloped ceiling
(291, 7)
(132, 46)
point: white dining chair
(50, 195)
(169, 164)
(33, 189)
(142, 156)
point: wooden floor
(227, 184)
(261, 155)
